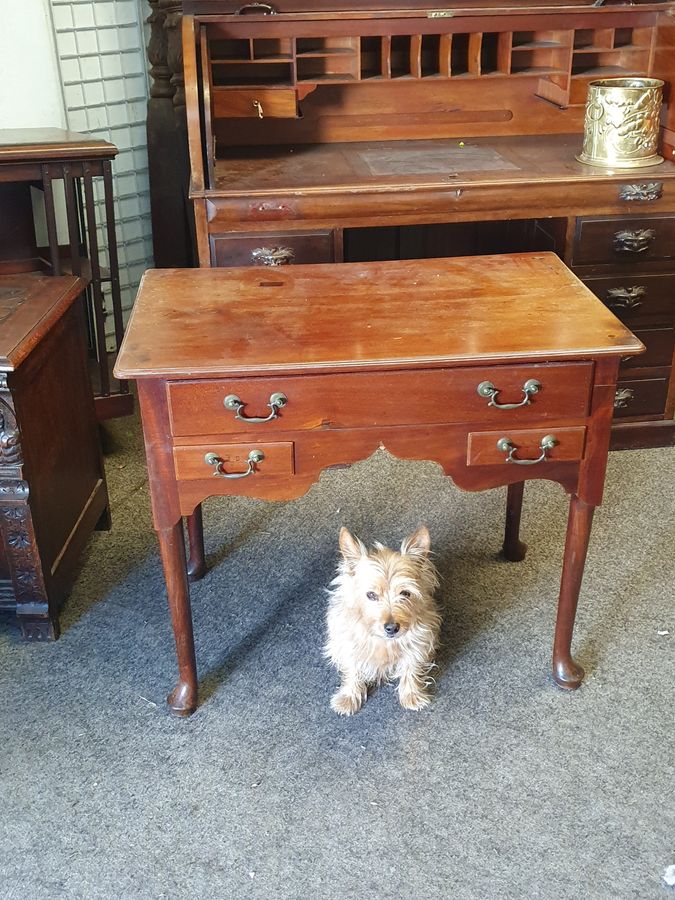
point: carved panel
(10, 441)
(16, 526)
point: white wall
(30, 83)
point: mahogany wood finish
(41, 157)
(52, 483)
(325, 116)
(196, 564)
(396, 352)
(514, 549)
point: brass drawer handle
(625, 297)
(633, 241)
(212, 459)
(623, 397)
(506, 445)
(487, 389)
(651, 190)
(265, 9)
(272, 256)
(275, 404)
(257, 106)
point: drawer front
(635, 297)
(217, 460)
(624, 240)
(379, 398)
(530, 447)
(659, 343)
(254, 103)
(640, 397)
(272, 249)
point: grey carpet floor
(505, 787)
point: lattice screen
(101, 48)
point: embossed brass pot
(621, 127)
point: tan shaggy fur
(382, 620)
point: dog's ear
(418, 544)
(351, 548)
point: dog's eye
(371, 595)
(405, 594)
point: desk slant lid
(29, 306)
(396, 314)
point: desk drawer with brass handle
(255, 103)
(626, 240)
(272, 249)
(233, 461)
(525, 448)
(508, 394)
(641, 397)
(635, 298)
(659, 343)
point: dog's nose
(392, 628)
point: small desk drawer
(659, 343)
(272, 249)
(218, 461)
(432, 396)
(640, 397)
(490, 448)
(616, 239)
(634, 297)
(255, 103)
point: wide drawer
(641, 397)
(623, 239)
(228, 462)
(526, 447)
(635, 297)
(659, 343)
(272, 249)
(354, 400)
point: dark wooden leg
(196, 564)
(514, 549)
(183, 699)
(566, 672)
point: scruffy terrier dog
(382, 620)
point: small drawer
(218, 460)
(436, 396)
(635, 297)
(640, 397)
(659, 343)
(531, 447)
(255, 103)
(626, 240)
(272, 249)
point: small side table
(52, 483)
(37, 157)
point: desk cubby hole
(400, 56)
(230, 49)
(371, 56)
(325, 46)
(327, 68)
(248, 73)
(272, 48)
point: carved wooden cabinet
(52, 483)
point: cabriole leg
(566, 672)
(514, 549)
(196, 565)
(183, 699)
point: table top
(30, 304)
(24, 144)
(353, 316)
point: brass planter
(621, 127)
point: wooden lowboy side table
(52, 482)
(500, 369)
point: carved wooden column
(167, 139)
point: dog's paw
(346, 704)
(414, 700)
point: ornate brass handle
(272, 256)
(623, 397)
(275, 404)
(625, 297)
(487, 389)
(633, 241)
(266, 9)
(651, 190)
(212, 459)
(506, 445)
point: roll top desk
(320, 132)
